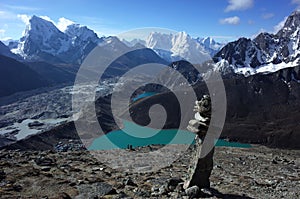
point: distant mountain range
(43, 41)
(56, 55)
(179, 46)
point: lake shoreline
(133, 135)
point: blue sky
(221, 19)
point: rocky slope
(256, 172)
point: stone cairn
(200, 169)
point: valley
(80, 110)
(260, 96)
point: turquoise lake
(143, 95)
(136, 135)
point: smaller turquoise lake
(143, 95)
(136, 135)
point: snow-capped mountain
(80, 33)
(266, 53)
(179, 46)
(83, 40)
(43, 41)
(134, 42)
(210, 45)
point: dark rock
(112, 192)
(192, 191)
(172, 183)
(45, 168)
(130, 182)
(44, 161)
(17, 188)
(143, 194)
(95, 189)
(2, 175)
(35, 124)
(64, 196)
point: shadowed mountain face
(130, 60)
(261, 109)
(15, 77)
(53, 74)
(4, 50)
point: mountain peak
(42, 40)
(41, 37)
(295, 13)
(207, 41)
(35, 20)
(293, 19)
(34, 17)
(40, 26)
(157, 40)
(76, 26)
(183, 34)
(83, 33)
(291, 25)
(210, 45)
(114, 42)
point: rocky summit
(256, 172)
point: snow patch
(266, 68)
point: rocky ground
(257, 172)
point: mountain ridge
(179, 46)
(266, 53)
(43, 41)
